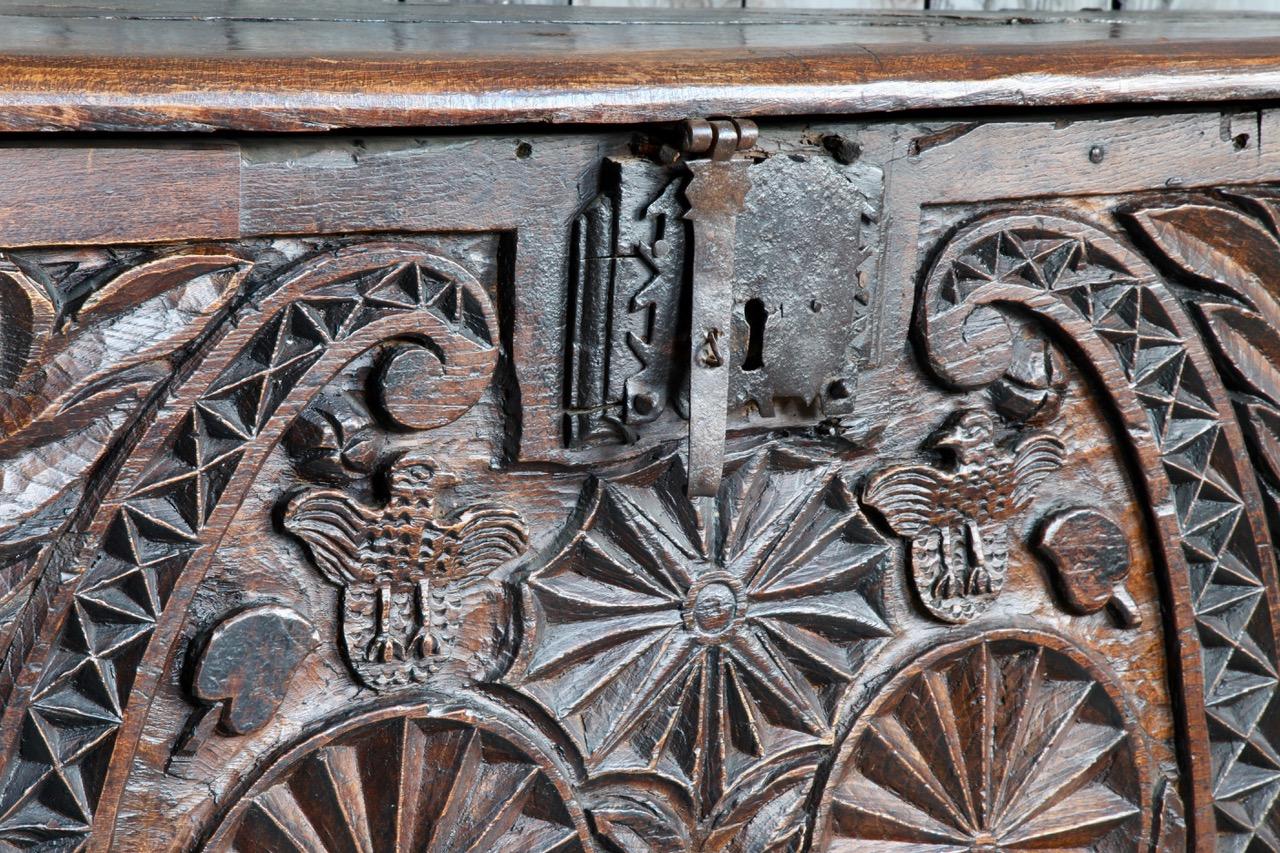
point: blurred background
(951, 5)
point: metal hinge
(716, 191)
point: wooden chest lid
(128, 65)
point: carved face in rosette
(700, 639)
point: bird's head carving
(418, 479)
(968, 435)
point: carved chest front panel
(839, 486)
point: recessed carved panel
(317, 307)
(989, 564)
(1093, 290)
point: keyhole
(756, 316)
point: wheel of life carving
(1012, 740)
(402, 781)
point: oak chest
(447, 429)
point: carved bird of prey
(387, 559)
(957, 520)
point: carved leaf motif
(114, 332)
(632, 821)
(26, 324)
(34, 479)
(1216, 245)
(1250, 345)
(1263, 422)
(1090, 555)
(49, 435)
(769, 819)
(248, 662)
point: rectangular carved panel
(385, 538)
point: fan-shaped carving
(994, 744)
(404, 785)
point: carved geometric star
(698, 641)
(1008, 258)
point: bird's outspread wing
(331, 526)
(487, 536)
(1036, 457)
(907, 496)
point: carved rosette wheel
(1011, 741)
(697, 639)
(404, 783)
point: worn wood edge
(432, 11)
(286, 94)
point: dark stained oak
(248, 66)
(618, 475)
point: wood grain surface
(622, 485)
(247, 66)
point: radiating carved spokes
(409, 786)
(1000, 745)
(701, 649)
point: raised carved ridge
(201, 454)
(1114, 309)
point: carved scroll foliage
(1233, 255)
(698, 639)
(1113, 307)
(224, 420)
(116, 343)
(74, 372)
